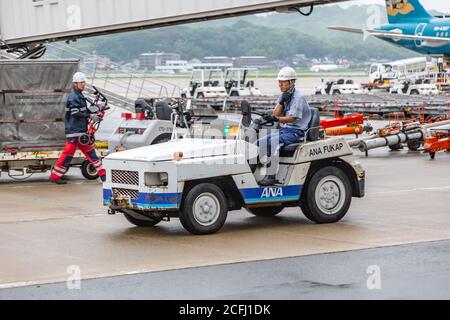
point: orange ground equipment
(342, 131)
(438, 141)
(357, 119)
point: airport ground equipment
(238, 82)
(355, 119)
(152, 123)
(357, 130)
(206, 84)
(437, 138)
(378, 104)
(341, 86)
(33, 97)
(395, 136)
(424, 87)
(200, 179)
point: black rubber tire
(234, 94)
(162, 139)
(266, 212)
(414, 145)
(200, 96)
(415, 93)
(187, 215)
(336, 92)
(146, 222)
(396, 147)
(308, 201)
(433, 155)
(87, 171)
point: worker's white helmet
(287, 74)
(79, 77)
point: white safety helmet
(287, 74)
(79, 77)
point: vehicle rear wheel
(88, 171)
(266, 212)
(200, 96)
(139, 220)
(327, 197)
(204, 210)
(336, 92)
(396, 147)
(414, 145)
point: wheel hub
(206, 209)
(330, 195)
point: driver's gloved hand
(270, 118)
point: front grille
(125, 177)
(133, 194)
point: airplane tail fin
(400, 10)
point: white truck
(342, 86)
(238, 82)
(200, 179)
(398, 70)
(424, 87)
(206, 84)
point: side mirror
(246, 110)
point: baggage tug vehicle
(203, 176)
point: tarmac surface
(48, 230)
(417, 271)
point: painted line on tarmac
(85, 216)
(411, 190)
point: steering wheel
(264, 123)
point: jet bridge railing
(111, 76)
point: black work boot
(59, 181)
(268, 181)
(103, 178)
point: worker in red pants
(76, 122)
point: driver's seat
(313, 134)
(163, 111)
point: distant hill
(278, 36)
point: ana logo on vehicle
(272, 193)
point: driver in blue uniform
(294, 116)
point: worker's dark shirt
(77, 115)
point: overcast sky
(440, 5)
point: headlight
(164, 177)
(156, 179)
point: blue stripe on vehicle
(150, 200)
(271, 194)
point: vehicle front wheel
(204, 210)
(266, 212)
(139, 220)
(327, 197)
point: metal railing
(114, 77)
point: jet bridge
(33, 22)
